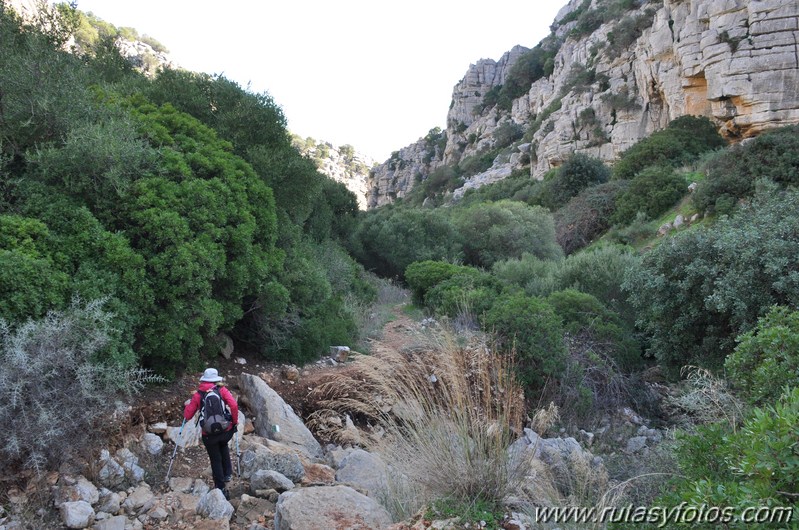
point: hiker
(218, 429)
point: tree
(506, 229)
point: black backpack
(214, 414)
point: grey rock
(77, 514)
(679, 221)
(225, 344)
(213, 505)
(328, 507)
(635, 444)
(126, 456)
(138, 498)
(69, 489)
(152, 444)
(364, 470)
(109, 501)
(118, 522)
(111, 474)
(271, 410)
(335, 454)
(200, 488)
(265, 479)
(181, 484)
(258, 458)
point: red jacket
(194, 405)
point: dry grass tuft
(706, 399)
(450, 408)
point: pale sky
(376, 75)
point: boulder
(259, 457)
(77, 514)
(140, 496)
(152, 444)
(365, 471)
(330, 507)
(69, 489)
(186, 436)
(270, 411)
(118, 522)
(635, 444)
(213, 505)
(266, 479)
(225, 344)
(111, 474)
(181, 484)
(109, 501)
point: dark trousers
(218, 452)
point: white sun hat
(211, 375)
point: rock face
(733, 61)
(341, 163)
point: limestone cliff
(341, 163)
(734, 61)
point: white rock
(77, 514)
(213, 505)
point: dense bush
(386, 241)
(585, 318)
(732, 173)
(506, 229)
(748, 467)
(586, 216)
(652, 191)
(52, 380)
(577, 173)
(601, 272)
(529, 327)
(766, 359)
(535, 276)
(159, 197)
(697, 291)
(682, 141)
(421, 276)
(470, 293)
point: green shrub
(697, 291)
(578, 172)
(536, 276)
(506, 134)
(587, 216)
(472, 165)
(752, 466)
(653, 191)
(732, 173)
(421, 276)
(600, 272)
(585, 317)
(387, 240)
(470, 292)
(530, 327)
(506, 229)
(682, 141)
(766, 359)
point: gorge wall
(733, 61)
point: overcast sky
(376, 75)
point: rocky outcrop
(733, 61)
(341, 163)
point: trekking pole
(171, 460)
(238, 455)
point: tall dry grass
(450, 408)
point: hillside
(610, 73)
